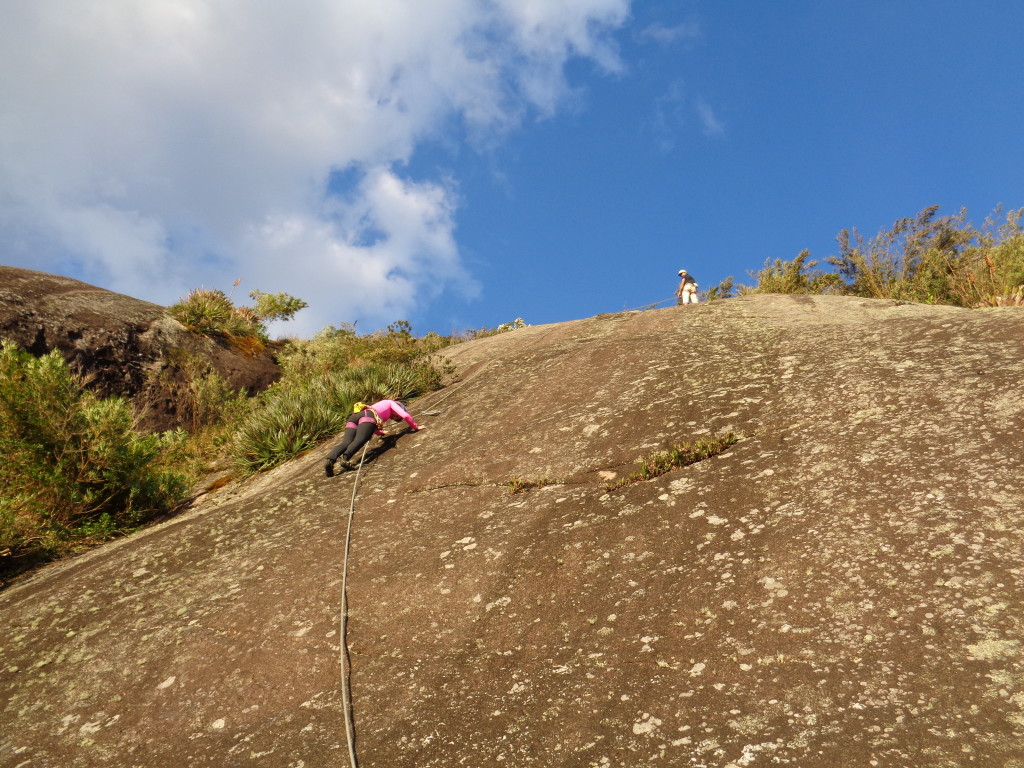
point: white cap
(682, 272)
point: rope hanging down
(346, 668)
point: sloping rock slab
(841, 587)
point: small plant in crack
(519, 485)
(675, 457)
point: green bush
(211, 312)
(724, 290)
(297, 413)
(334, 349)
(796, 276)
(75, 468)
(275, 306)
(918, 259)
(203, 398)
(286, 424)
(935, 259)
(929, 259)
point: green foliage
(917, 259)
(75, 469)
(334, 349)
(796, 276)
(930, 259)
(322, 380)
(485, 332)
(211, 312)
(677, 456)
(286, 423)
(213, 402)
(275, 306)
(520, 485)
(724, 290)
(203, 399)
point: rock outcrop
(843, 587)
(120, 345)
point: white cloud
(670, 116)
(168, 144)
(709, 122)
(673, 113)
(659, 33)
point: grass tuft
(519, 485)
(676, 457)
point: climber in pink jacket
(364, 422)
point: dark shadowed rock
(120, 345)
(843, 587)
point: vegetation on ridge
(929, 259)
(211, 312)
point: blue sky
(545, 160)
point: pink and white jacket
(389, 409)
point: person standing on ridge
(686, 293)
(364, 422)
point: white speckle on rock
(167, 683)
(501, 602)
(697, 668)
(218, 724)
(646, 725)
(993, 650)
(90, 727)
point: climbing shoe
(329, 468)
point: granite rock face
(120, 345)
(842, 587)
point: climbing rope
(346, 668)
(649, 306)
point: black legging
(355, 437)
